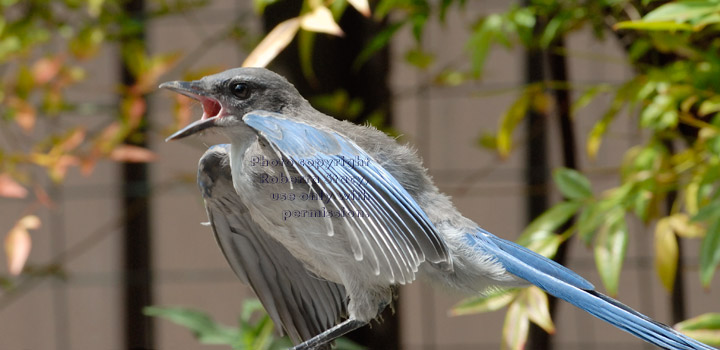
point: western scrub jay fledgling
(324, 218)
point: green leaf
(250, 306)
(545, 243)
(487, 140)
(419, 58)
(260, 5)
(704, 328)
(588, 221)
(660, 113)
(204, 328)
(572, 184)
(306, 42)
(588, 96)
(610, 246)
(709, 320)
(599, 129)
(511, 119)
(709, 106)
(710, 253)
(658, 25)
(491, 301)
(489, 31)
(666, 253)
(552, 218)
(555, 28)
(377, 43)
(346, 344)
(708, 212)
(688, 11)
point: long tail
(567, 285)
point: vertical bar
(137, 243)
(537, 173)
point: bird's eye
(240, 90)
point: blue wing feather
(397, 232)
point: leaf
(46, 69)
(132, 154)
(25, 114)
(203, 327)
(376, 44)
(666, 253)
(274, 42)
(361, 6)
(656, 25)
(320, 20)
(683, 227)
(510, 120)
(545, 243)
(572, 184)
(488, 32)
(538, 308)
(709, 320)
(10, 188)
(704, 328)
(590, 219)
(693, 12)
(73, 139)
(419, 58)
(18, 243)
(259, 5)
(515, 328)
(588, 96)
(623, 94)
(708, 212)
(492, 301)
(610, 247)
(710, 253)
(552, 218)
(711, 105)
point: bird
(324, 218)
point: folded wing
(303, 304)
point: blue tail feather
(567, 285)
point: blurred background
(600, 114)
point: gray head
(226, 97)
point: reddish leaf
(10, 188)
(133, 108)
(18, 243)
(87, 164)
(133, 154)
(46, 69)
(60, 165)
(43, 197)
(73, 140)
(24, 113)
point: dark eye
(240, 90)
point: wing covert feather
(396, 235)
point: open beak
(212, 109)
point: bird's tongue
(211, 108)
